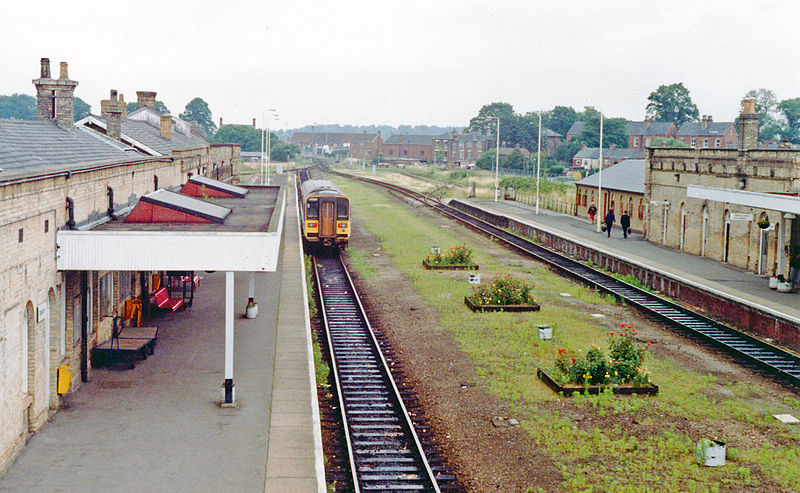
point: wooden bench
(164, 302)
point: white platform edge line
(319, 464)
(664, 273)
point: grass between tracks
(600, 443)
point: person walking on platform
(592, 211)
(794, 267)
(625, 222)
(610, 220)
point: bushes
(624, 365)
(458, 255)
(503, 290)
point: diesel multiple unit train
(326, 214)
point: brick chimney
(166, 126)
(124, 106)
(146, 98)
(254, 123)
(55, 98)
(647, 122)
(220, 122)
(113, 114)
(704, 122)
(748, 125)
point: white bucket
(474, 279)
(710, 452)
(252, 311)
(545, 332)
(773, 282)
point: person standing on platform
(625, 222)
(794, 267)
(610, 220)
(592, 211)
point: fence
(563, 206)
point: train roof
(319, 187)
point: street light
(600, 176)
(496, 157)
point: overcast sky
(411, 62)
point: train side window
(312, 209)
(342, 209)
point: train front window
(342, 206)
(312, 209)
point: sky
(432, 62)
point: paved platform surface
(159, 427)
(716, 276)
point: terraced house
(58, 175)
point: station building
(622, 191)
(56, 176)
(732, 205)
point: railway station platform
(718, 279)
(159, 427)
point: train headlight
(312, 224)
(342, 225)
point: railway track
(385, 452)
(773, 360)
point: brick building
(460, 150)
(623, 190)
(366, 146)
(575, 130)
(407, 148)
(642, 134)
(713, 227)
(708, 133)
(55, 176)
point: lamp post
(600, 177)
(538, 161)
(496, 158)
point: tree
(614, 132)
(81, 109)
(672, 103)
(560, 118)
(246, 136)
(283, 151)
(790, 109)
(197, 112)
(19, 106)
(484, 125)
(567, 149)
(160, 107)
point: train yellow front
(326, 213)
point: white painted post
(228, 399)
(538, 161)
(251, 287)
(601, 215)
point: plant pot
(252, 311)
(710, 452)
(784, 287)
(773, 282)
(545, 332)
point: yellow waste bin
(64, 376)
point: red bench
(165, 302)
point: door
(705, 229)
(763, 243)
(727, 239)
(327, 220)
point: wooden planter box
(501, 308)
(449, 267)
(568, 389)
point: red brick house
(366, 146)
(401, 147)
(642, 134)
(708, 133)
(460, 150)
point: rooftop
(625, 176)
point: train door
(327, 219)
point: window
(106, 296)
(694, 143)
(647, 142)
(312, 209)
(584, 199)
(469, 154)
(705, 142)
(20, 235)
(405, 152)
(636, 142)
(641, 209)
(46, 225)
(126, 279)
(421, 153)
(391, 152)
(461, 154)
(342, 208)
(716, 143)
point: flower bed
(456, 258)
(502, 293)
(623, 372)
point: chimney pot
(146, 98)
(113, 95)
(45, 72)
(64, 74)
(220, 122)
(254, 123)
(749, 105)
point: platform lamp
(600, 177)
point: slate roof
(28, 148)
(625, 176)
(148, 132)
(549, 133)
(618, 153)
(419, 140)
(696, 128)
(654, 129)
(576, 128)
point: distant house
(331, 141)
(575, 130)
(460, 150)
(400, 147)
(589, 157)
(366, 146)
(550, 141)
(623, 190)
(642, 134)
(708, 133)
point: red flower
(560, 351)
(649, 343)
(611, 333)
(629, 326)
(622, 325)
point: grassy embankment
(644, 444)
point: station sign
(741, 216)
